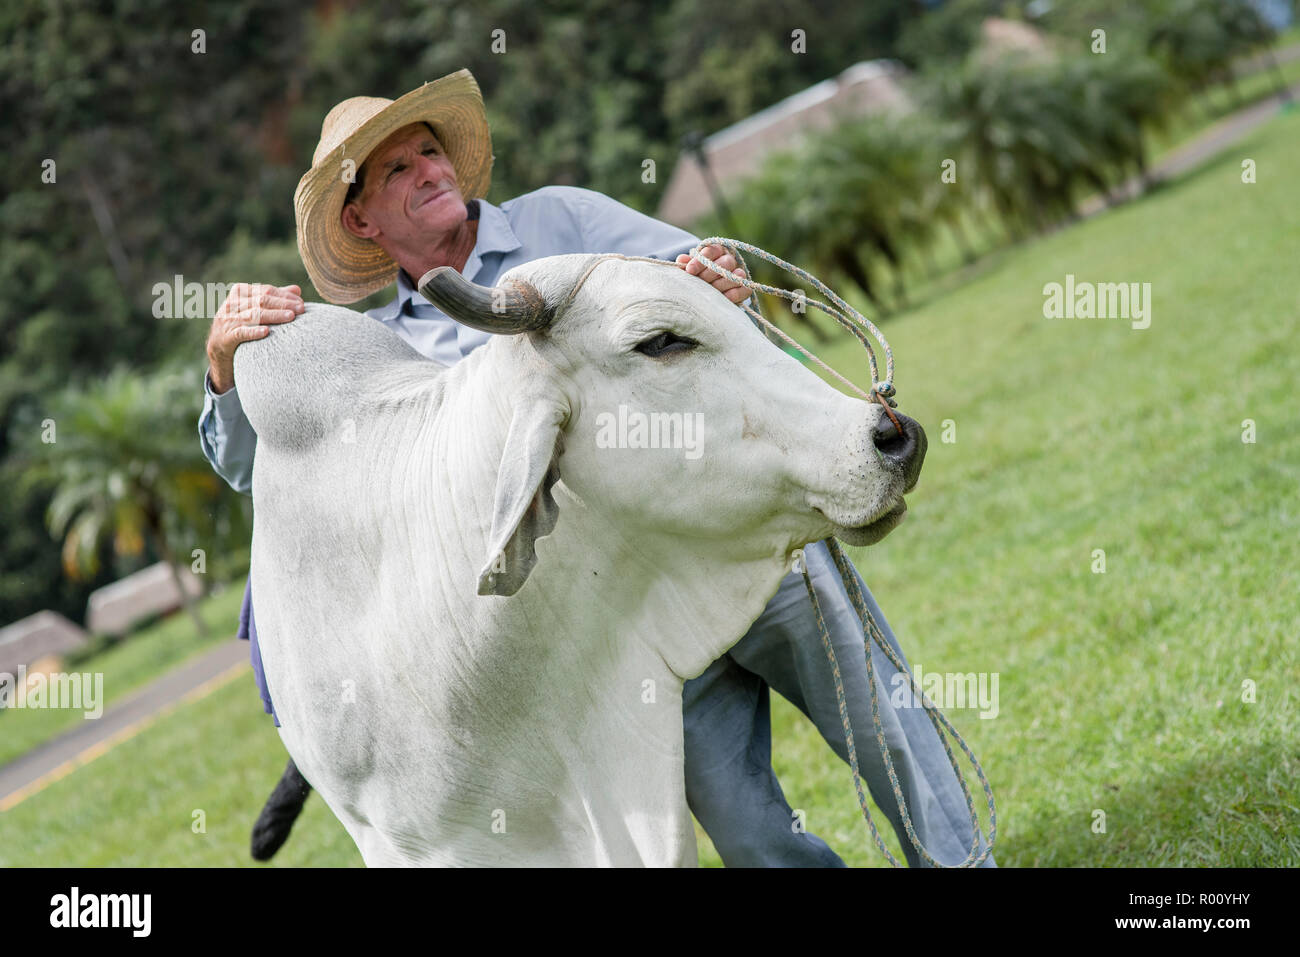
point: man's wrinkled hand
(719, 256)
(247, 314)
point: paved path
(48, 762)
(1260, 62)
(1222, 134)
(1207, 144)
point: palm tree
(947, 202)
(1142, 97)
(1014, 131)
(776, 210)
(125, 463)
(864, 182)
(893, 156)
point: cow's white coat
(543, 727)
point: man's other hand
(719, 256)
(247, 314)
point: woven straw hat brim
(344, 267)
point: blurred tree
(867, 175)
(1197, 40)
(950, 195)
(849, 195)
(947, 34)
(131, 158)
(775, 210)
(969, 99)
(1020, 134)
(1124, 22)
(1124, 98)
(124, 464)
(1248, 31)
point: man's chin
(875, 530)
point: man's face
(410, 199)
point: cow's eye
(665, 343)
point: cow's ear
(524, 510)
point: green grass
(1119, 692)
(127, 666)
(135, 806)
(943, 267)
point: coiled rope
(882, 391)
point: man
(417, 203)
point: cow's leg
(730, 785)
(785, 648)
(281, 810)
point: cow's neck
(587, 660)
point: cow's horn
(505, 310)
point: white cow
(475, 617)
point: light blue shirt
(547, 222)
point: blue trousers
(730, 785)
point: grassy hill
(1120, 692)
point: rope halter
(882, 391)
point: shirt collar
(494, 236)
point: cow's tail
(281, 810)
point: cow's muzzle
(905, 450)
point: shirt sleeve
(227, 437)
(608, 226)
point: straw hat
(344, 267)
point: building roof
(37, 636)
(115, 609)
(738, 150)
(999, 37)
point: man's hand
(246, 315)
(719, 256)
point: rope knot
(884, 394)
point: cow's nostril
(889, 440)
(905, 449)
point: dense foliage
(1005, 136)
(146, 139)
